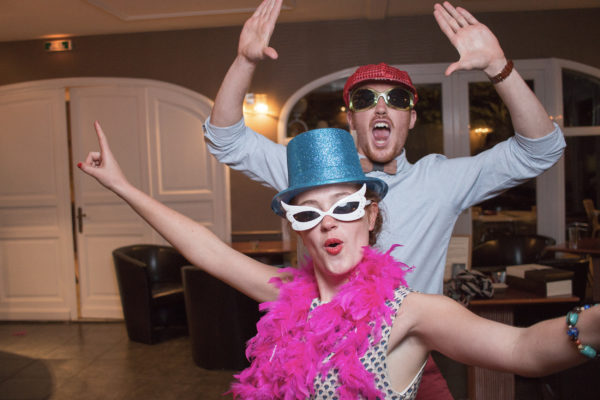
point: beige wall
(198, 59)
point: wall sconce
(58, 45)
(481, 131)
(256, 103)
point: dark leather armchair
(220, 320)
(151, 289)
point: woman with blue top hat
(344, 325)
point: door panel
(108, 222)
(36, 246)
(184, 174)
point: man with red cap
(424, 199)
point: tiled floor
(88, 361)
(97, 361)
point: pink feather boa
(292, 347)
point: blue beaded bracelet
(573, 332)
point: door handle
(80, 216)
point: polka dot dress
(374, 361)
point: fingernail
(78, 165)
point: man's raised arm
(253, 47)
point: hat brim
(376, 185)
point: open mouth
(381, 133)
(333, 246)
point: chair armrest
(125, 257)
(166, 289)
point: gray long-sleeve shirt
(424, 199)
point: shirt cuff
(553, 140)
(223, 135)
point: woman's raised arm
(198, 244)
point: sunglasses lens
(305, 216)
(346, 208)
(362, 99)
(399, 98)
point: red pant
(433, 385)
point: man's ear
(349, 118)
(413, 119)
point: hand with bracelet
(588, 350)
(476, 44)
(479, 49)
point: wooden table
(269, 252)
(510, 221)
(485, 384)
(262, 247)
(589, 247)
(507, 216)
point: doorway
(57, 228)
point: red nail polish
(79, 165)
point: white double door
(58, 226)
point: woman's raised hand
(477, 46)
(102, 164)
(257, 31)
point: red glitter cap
(378, 72)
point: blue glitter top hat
(323, 157)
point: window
(427, 136)
(581, 99)
(581, 104)
(322, 107)
(514, 211)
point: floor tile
(26, 388)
